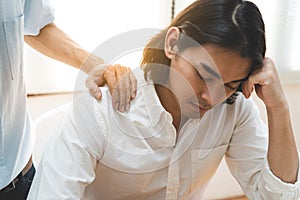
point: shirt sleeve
(37, 14)
(247, 158)
(69, 160)
(66, 167)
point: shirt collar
(152, 102)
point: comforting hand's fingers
(92, 85)
(122, 96)
(124, 88)
(94, 80)
(111, 78)
(122, 91)
(94, 89)
(120, 80)
(112, 81)
(127, 91)
(115, 99)
(133, 85)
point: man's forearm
(282, 152)
(54, 43)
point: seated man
(188, 113)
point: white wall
(90, 23)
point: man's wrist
(90, 62)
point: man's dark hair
(233, 24)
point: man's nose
(213, 93)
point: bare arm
(56, 44)
(282, 150)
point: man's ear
(171, 40)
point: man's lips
(202, 107)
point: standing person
(189, 112)
(33, 18)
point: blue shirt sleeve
(37, 14)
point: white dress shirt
(100, 153)
(17, 17)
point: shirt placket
(173, 181)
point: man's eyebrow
(239, 80)
(217, 75)
(210, 70)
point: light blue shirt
(17, 17)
